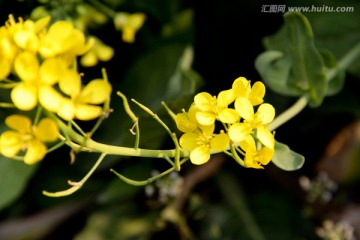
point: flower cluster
(26, 137)
(38, 63)
(244, 119)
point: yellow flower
(26, 137)
(26, 33)
(34, 77)
(8, 50)
(129, 24)
(259, 120)
(255, 158)
(18, 35)
(99, 52)
(81, 103)
(212, 108)
(255, 94)
(199, 139)
(200, 144)
(63, 39)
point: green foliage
(14, 177)
(337, 31)
(293, 66)
(286, 159)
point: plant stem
(349, 57)
(291, 112)
(90, 145)
(345, 61)
(102, 7)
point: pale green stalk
(291, 112)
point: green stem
(6, 105)
(345, 61)
(37, 116)
(76, 185)
(349, 57)
(291, 112)
(102, 7)
(90, 145)
(133, 117)
(149, 180)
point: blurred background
(185, 47)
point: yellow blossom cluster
(38, 63)
(28, 138)
(244, 118)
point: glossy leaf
(286, 159)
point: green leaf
(14, 176)
(286, 159)
(335, 83)
(340, 39)
(274, 69)
(301, 68)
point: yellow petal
(192, 112)
(36, 151)
(204, 101)
(266, 113)
(239, 131)
(67, 109)
(200, 155)
(70, 83)
(265, 137)
(86, 112)
(136, 20)
(184, 124)
(205, 118)
(225, 98)
(188, 141)
(220, 142)
(265, 155)
(104, 52)
(42, 23)
(27, 40)
(250, 163)
(47, 130)
(49, 98)
(248, 144)
(89, 59)
(207, 130)
(244, 108)
(96, 92)
(229, 115)
(5, 68)
(241, 87)
(26, 66)
(8, 49)
(257, 93)
(58, 39)
(10, 143)
(24, 96)
(51, 70)
(79, 46)
(20, 123)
